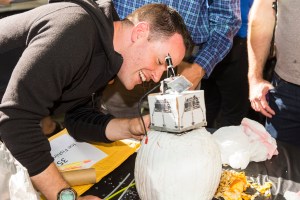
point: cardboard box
(177, 112)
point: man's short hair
(164, 22)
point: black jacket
(57, 57)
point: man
(212, 25)
(60, 57)
(278, 101)
(226, 90)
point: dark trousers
(226, 90)
(284, 100)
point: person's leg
(233, 85)
(212, 100)
(284, 100)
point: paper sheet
(66, 151)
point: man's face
(145, 60)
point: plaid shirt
(212, 27)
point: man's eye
(159, 62)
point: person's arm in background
(224, 20)
(260, 33)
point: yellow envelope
(117, 152)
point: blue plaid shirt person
(212, 25)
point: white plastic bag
(15, 183)
(263, 146)
(241, 144)
(292, 195)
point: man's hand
(192, 71)
(50, 182)
(48, 125)
(136, 127)
(257, 96)
(89, 197)
(124, 128)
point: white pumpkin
(170, 166)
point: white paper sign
(69, 154)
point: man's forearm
(49, 182)
(260, 33)
(192, 71)
(123, 128)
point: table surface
(282, 170)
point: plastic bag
(292, 195)
(241, 144)
(15, 183)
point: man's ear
(139, 31)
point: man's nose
(156, 76)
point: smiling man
(58, 57)
(143, 51)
